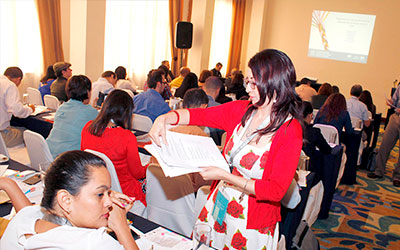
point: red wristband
(177, 116)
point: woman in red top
(263, 151)
(110, 134)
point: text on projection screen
(341, 36)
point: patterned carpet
(364, 216)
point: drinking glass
(42, 170)
(201, 236)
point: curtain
(238, 11)
(137, 36)
(50, 31)
(20, 40)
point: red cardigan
(279, 166)
(120, 146)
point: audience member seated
(229, 77)
(17, 197)
(323, 92)
(46, 81)
(110, 134)
(203, 77)
(122, 82)
(222, 98)
(63, 72)
(76, 209)
(71, 117)
(189, 82)
(237, 86)
(212, 87)
(151, 103)
(356, 108)
(10, 104)
(167, 94)
(313, 138)
(217, 70)
(366, 98)
(177, 82)
(169, 76)
(105, 84)
(334, 112)
(335, 89)
(305, 91)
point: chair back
(142, 123)
(37, 148)
(34, 96)
(329, 132)
(377, 124)
(3, 147)
(110, 167)
(51, 102)
(201, 198)
(170, 201)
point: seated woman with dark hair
(110, 134)
(237, 86)
(189, 82)
(122, 82)
(334, 112)
(203, 77)
(71, 116)
(46, 81)
(323, 93)
(312, 137)
(76, 209)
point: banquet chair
(201, 198)
(170, 201)
(142, 123)
(138, 207)
(329, 132)
(3, 147)
(34, 96)
(51, 102)
(37, 148)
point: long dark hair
(69, 171)
(50, 74)
(117, 107)
(333, 106)
(120, 72)
(366, 98)
(190, 81)
(274, 74)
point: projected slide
(341, 36)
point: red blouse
(120, 146)
(280, 162)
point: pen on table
(30, 190)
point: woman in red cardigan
(110, 134)
(263, 150)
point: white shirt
(305, 92)
(126, 84)
(62, 237)
(10, 103)
(101, 85)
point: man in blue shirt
(151, 103)
(356, 108)
(390, 137)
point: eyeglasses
(249, 82)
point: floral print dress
(232, 234)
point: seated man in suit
(151, 103)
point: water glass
(201, 236)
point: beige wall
(287, 28)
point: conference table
(39, 123)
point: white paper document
(39, 109)
(186, 154)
